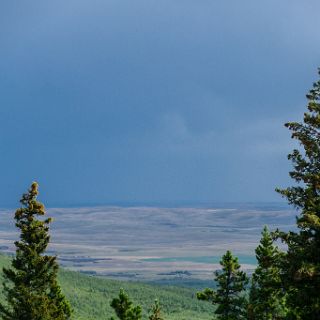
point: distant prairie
(154, 243)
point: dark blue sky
(152, 101)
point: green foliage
(301, 266)
(266, 299)
(156, 311)
(229, 296)
(31, 288)
(124, 308)
(90, 297)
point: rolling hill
(90, 297)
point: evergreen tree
(156, 312)
(301, 267)
(252, 313)
(229, 296)
(124, 308)
(266, 299)
(31, 288)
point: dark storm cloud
(152, 100)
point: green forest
(285, 285)
(90, 296)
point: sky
(108, 101)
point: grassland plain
(90, 297)
(152, 243)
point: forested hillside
(91, 296)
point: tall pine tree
(31, 288)
(267, 299)
(229, 296)
(301, 268)
(124, 308)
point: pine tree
(229, 296)
(266, 300)
(156, 312)
(124, 308)
(252, 313)
(301, 268)
(31, 288)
